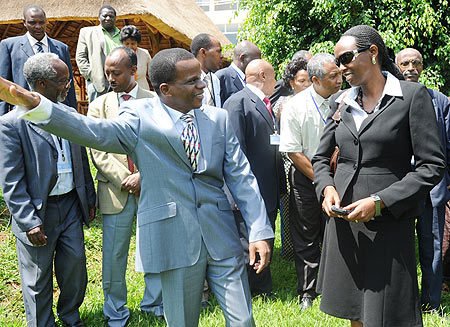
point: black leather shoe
(305, 303)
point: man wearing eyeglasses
(47, 185)
(14, 51)
(430, 225)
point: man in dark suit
(430, 225)
(232, 78)
(255, 126)
(14, 51)
(47, 185)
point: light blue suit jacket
(15, 51)
(178, 207)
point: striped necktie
(39, 45)
(191, 140)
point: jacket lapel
(236, 80)
(26, 46)
(52, 47)
(347, 119)
(45, 135)
(386, 102)
(100, 38)
(167, 127)
(111, 105)
(205, 125)
(261, 108)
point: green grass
(281, 311)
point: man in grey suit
(94, 44)
(14, 51)
(186, 228)
(48, 188)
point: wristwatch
(377, 199)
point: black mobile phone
(340, 211)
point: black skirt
(368, 273)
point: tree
(281, 27)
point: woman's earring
(374, 61)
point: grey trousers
(117, 230)
(65, 247)
(183, 287)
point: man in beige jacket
(118, 192)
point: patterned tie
(130, 162)
(191, 140)
(39, 45)
(209, 97)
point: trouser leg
(70, 261)
(116, 242)
(430, 229)
(307, 225)
(152, 300)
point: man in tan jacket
(118, 192)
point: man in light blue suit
(186, 230)
(14, 51)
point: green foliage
(281, 27)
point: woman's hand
(363, 210)
(331, 198)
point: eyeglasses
(349, 56)
(416, 63)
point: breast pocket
(161, 212)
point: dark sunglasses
(349, 56)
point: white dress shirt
(33, 42)
(302, 122)
(133, 94)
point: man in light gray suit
(186, 228)
(47, 185)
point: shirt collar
(116, 31)
(260, 94)
(238, 71)
(33, 41)
(392, 88)
(316, 96)
(133, 92)
(175, 114)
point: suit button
(355, 142)
(355, 166)
(199, 205)
(55, 156)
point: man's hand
(17, 95)
(37, 236)
(92, 213)
(132, 184)
(263, 249)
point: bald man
(232, 78)
(251, 116)
(430, 225)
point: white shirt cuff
(40, 114)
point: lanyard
(324, 121)
(240, 78)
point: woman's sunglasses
(349, 56)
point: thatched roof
(177, 19)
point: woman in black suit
(368, 268)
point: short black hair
(201, 41)
(132, 58)
(107, 7)
(130, 32)
(33, 7)
(163, 66)
(292, 69)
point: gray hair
(40, 66)
(316, 65)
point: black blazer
(377, 158)
(253, 125)
(230, 83)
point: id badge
(275, 139)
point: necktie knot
(188, 118)
(126, 97)
(268, 105)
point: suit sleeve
(71, 100)
(5, 72)
(107, 164)
(82, 57)
(428, 155)
(235, 108)
(244, 189)
(13, 180)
